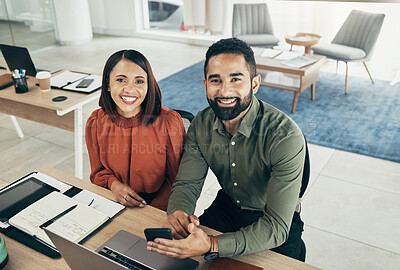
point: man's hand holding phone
(153, 233)
(197, 243)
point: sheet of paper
(97, 80)
(4, 225)
(66, 77)
(45, 179)
(299, 62)
(52, 182)
(257, 50)
(287, 55)
(99, 203)
(270, 53)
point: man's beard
(229, 113)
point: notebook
(75, 225)
(123, 246)
(19, 57)
(69, 80)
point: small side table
(303, 39)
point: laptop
(19, 57)
(122, 251)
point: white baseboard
(113, 32)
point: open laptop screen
(18, 57)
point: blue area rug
(366, 121)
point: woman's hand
(125, 195)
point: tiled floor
(351, 208)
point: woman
(134, 143)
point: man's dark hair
(151, 106)
(232, 46)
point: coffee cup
(43, 78)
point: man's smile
(227, 102)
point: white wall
(114, 17)
(72, 21)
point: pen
(16, 72)
(47, 223)
(91, 202)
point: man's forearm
(262, 235)
(184, 196)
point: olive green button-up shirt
(260, 167)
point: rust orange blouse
(144, 157)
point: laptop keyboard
(122, 259)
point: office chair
(304, 183)
(355, 40)
(252, 24)
(306, 171)
(187, 118)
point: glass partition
(27, 23)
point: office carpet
(366, 121)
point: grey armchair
(252, 24)
(355, 40)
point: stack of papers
(299, 62)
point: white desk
(39, 107)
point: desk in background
(134, 220)
(298, 79)
(39, 107)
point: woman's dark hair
(151, 106)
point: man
(257, 154)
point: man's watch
(213, 253)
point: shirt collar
(246, 125)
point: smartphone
(84, 83)
(153, 233)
